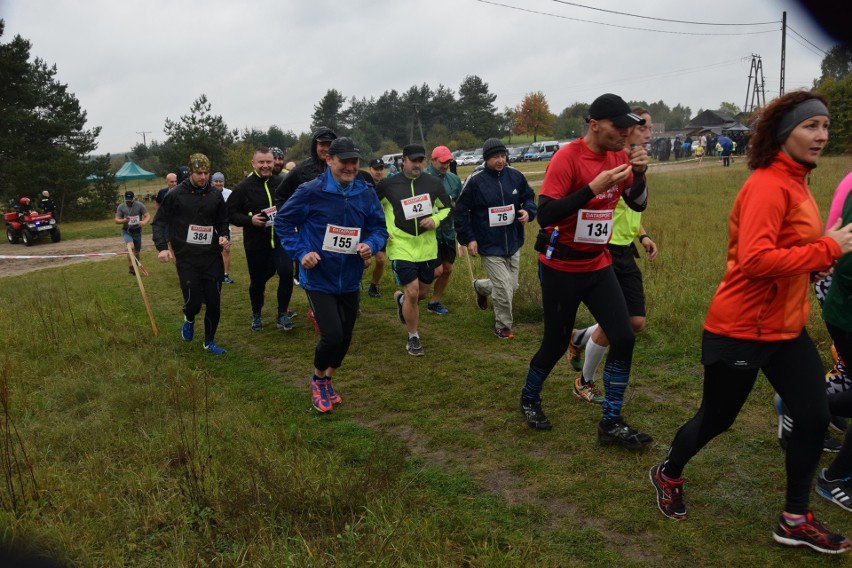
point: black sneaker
(839, 423)
(414, 347)
(620, 433)
(534, 415)
(838, 491)
(830, 445)
(373, 291)
(398, 298)
(810, 533)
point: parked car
(516, 154)
(541, 151)
(466, 159)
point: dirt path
(15, 267)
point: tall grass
(149, 452)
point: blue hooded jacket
(313, 207)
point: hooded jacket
(305, 171)
(453, 187)
(253, 195)
(302, 222)
(187, 205)
(488, 188)
(775, 242)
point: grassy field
(123, 449)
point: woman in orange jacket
(757, 317)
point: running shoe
(810, 533)
(319, 395)
(313, 320)
(291, 314)
(586, 392)
(373, 291)
(618, 432)
(131, 271)
(575, 352)
(534, 415)
(333, 397)
(830, 445)
(213, 348)
(481, 299)
(227, 280)
(504, 333)
(839, 423)
(284, 322)
(398, 298)
(437, 308)
(669, 494)
(256, 322)
(838, 491)
(188, 330)
(414, 347)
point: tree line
(45, 144)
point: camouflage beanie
(199, 162)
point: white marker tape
(87, 255)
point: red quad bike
(23, 224)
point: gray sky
(132, 64)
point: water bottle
(553, 236)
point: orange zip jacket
(775, 241)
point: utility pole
(783, 50)
(416, 117)
(142, 134)
(756, 92)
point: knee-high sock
(615, 376)
(594, 355)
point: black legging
(840, 404)
(561, 294)
(201, 289)
(335, 315)
(262, 265)
(794, 369)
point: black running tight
(795, 371)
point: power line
(806, 39)
(618, 26)
(665, 19)
(820, 54)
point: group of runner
(331, 219)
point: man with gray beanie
(495, 204)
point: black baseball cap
(377, 163)
(129, 196)
(614, 108)
(414, 151)
(344, 148)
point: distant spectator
(171, 181)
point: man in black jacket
(308, 168)
(251, 205)
(191, 228)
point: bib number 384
(199, 235)
(593, 226)
(341, 239)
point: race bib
(133, 221)
(270, 212)
(199, 235)
(501, 216)
(593, 226)
(341, 239)
(417, 206)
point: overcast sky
(133, 64)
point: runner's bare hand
(608, 178)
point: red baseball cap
(442, 153)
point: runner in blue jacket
(332, 225)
